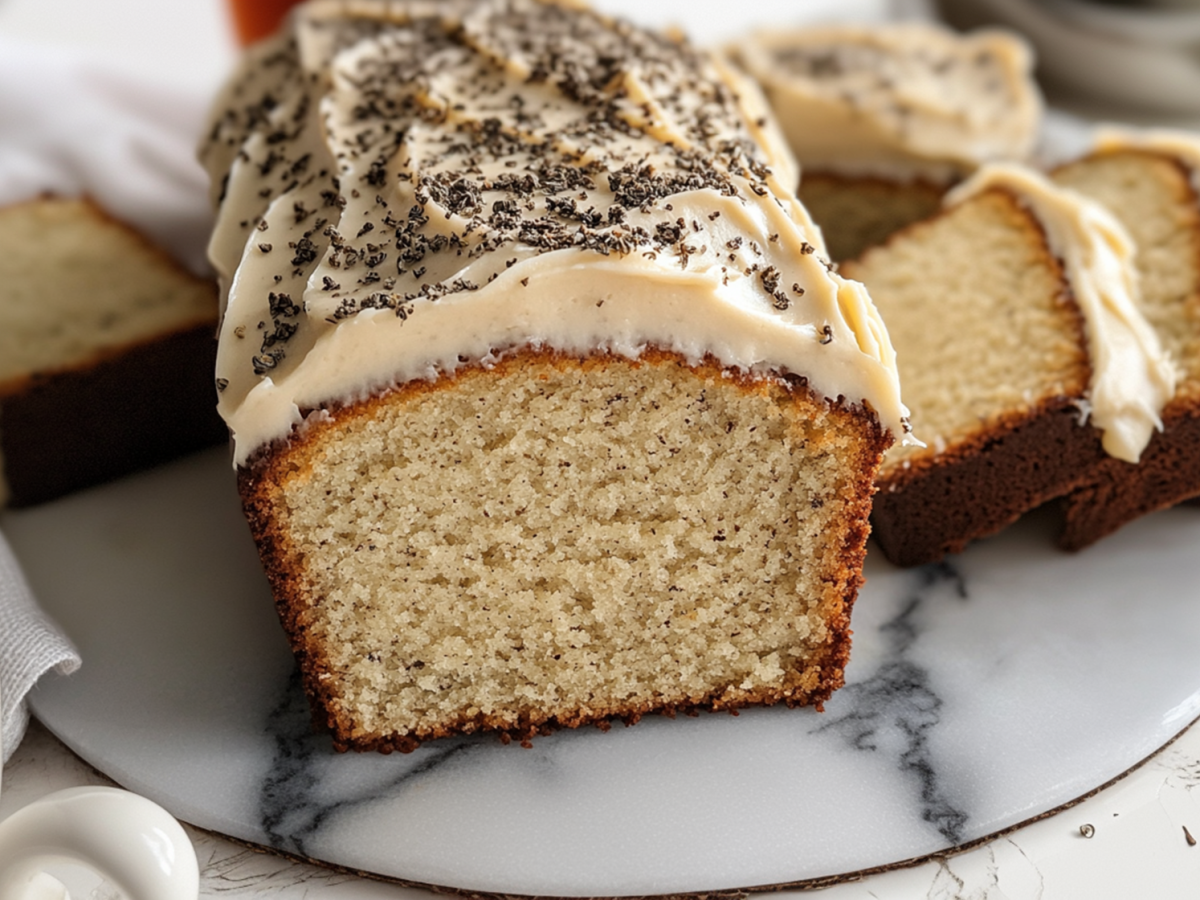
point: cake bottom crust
(136, 407)
(939, 504)
(1119, 492)
(594, 539)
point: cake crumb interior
(981, 322)
(562, 540)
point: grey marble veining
(302, 794)
(982, 692)
(894, 709)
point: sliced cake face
(106, 352)
(79, 286)
(1026, 360)
(984, 320)
(992, 352)
(554, 542)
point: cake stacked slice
(1025, 360)
(546, 408)
(106, 351)
(1151, 183)
(884, 118)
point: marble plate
(983, 692)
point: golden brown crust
(129, 409)
(813, 684)
(981, 485)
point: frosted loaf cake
(546, 407)
(884, 118)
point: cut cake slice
(1025, 361)
(107, 347)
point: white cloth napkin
(71, 126)
(30, 645)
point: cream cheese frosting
(1132, 376)
(408, 187)
(900, 100)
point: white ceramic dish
(982, 693)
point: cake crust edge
(984, 483)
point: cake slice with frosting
(1025, 358)
(547, 408)
(885, 117)
(1151, 182)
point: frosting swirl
(903, 100)
(407, 187)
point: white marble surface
(1139, 847)
(981, 693)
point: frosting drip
(1132, 377)
(415, 186)
(900, 101)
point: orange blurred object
(255, 19)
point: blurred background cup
(254, 20)
(1130, 60)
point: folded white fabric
(70, 126)
(30, 645)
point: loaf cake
(107, 321)
(1023, 354)
(884, 118)
(546, 407)
(1151, 182)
